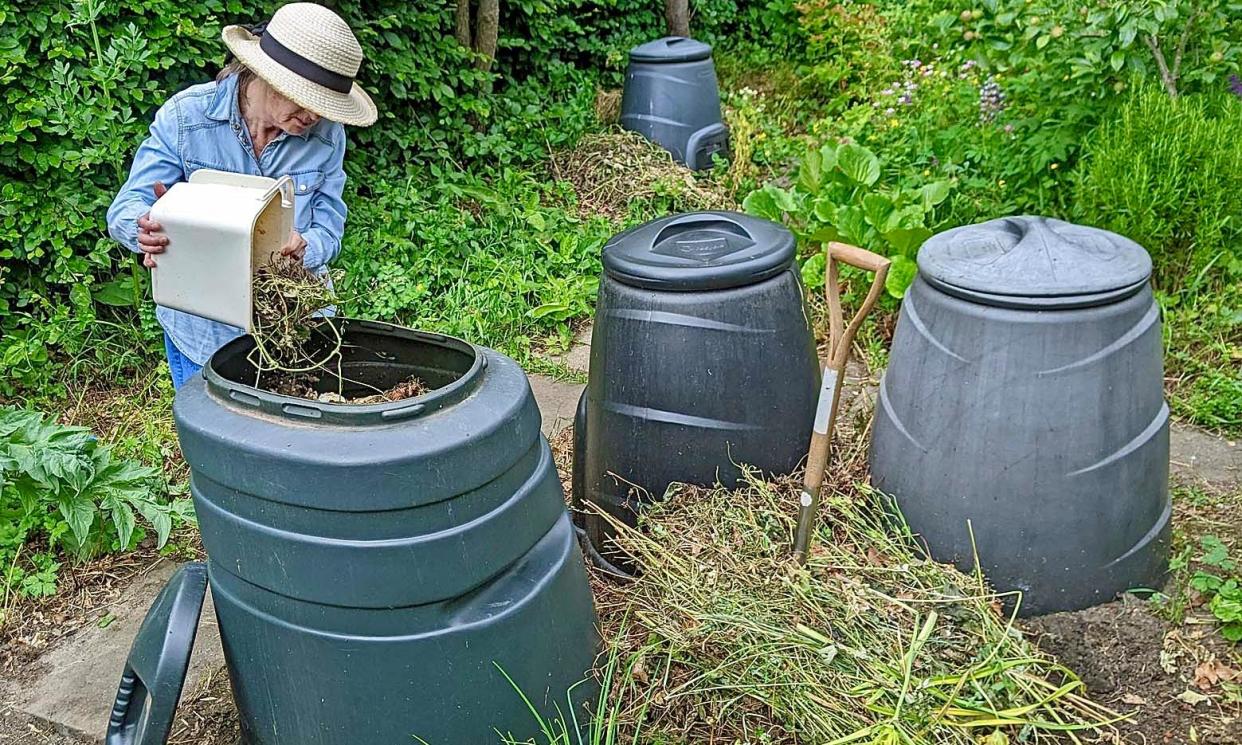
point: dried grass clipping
(612, 169)
(289, 301)
(723, 639)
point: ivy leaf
(858, 163)
(900, 276)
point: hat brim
(354, 108)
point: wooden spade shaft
(840, 339)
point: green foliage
(837, 197)
(1223, 594)
(497, 262)
(1168, 174)
(62, 490)
(82, 78)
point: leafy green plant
(1223, 593)
(837, 196)
(61, 490)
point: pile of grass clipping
(609, 170)
(722, 639)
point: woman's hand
(150, 240)
(295, 246)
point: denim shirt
(202, 127)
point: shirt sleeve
(328, 211)
(157, 159)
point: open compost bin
(1021, 421)
(702, 360)
(378, 570)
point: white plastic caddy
(221, 227)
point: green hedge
(81, 80)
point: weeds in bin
(288, 300)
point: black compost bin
(379, 569)
(1024, 401)
(702, 358)
(671, 97)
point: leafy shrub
(496, 262)
(1168, 174)
(61, 489)
(837, 197)
(1223, 594)
(82, 79)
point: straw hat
(309, 54)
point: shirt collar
(224, 108)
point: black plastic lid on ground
(671, 49)
(1036, 262)
(699, 251)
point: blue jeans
(181, 367)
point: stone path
(68, 698)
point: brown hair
(235, 67)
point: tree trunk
(461, 24)
(677, 13)
(487, 29)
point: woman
(277, 110)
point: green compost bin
(395, 572)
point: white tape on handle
(823, 410)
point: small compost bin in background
(1024, 401)
(671, 97)
(376, 567)
(702, 358)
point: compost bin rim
(1035, 302)
(306, 411)
(628, 257)
(660, 50)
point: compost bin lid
(671, 49)
(155, 671)
(1029, 261)
(699, 251)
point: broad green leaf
(559, 311)
(906, 241)
(877, 208)
(810, 174)
(813, 271)
(934, 193)
(900, 275)
(824, 234)
(826, 210)
(119, 292)
(1117, 59)
(159, 518)
(783, 198)
(761, 204)
(122, 518)
(79, 514)
(852, 224)
(828, 157)
(858, 163)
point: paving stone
(76, 681)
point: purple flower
(991, 100)
(1235, 85)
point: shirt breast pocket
(305, 185)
